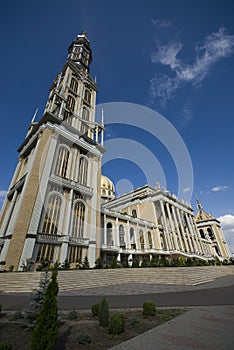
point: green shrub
(116, 323)
(135, 263)
(18, 316)
(5, 346)
(83, 338)
(104, 313)
(72, 315)
(114, 262)
(145, 262)
(95, 309)
(149, 308)
(136, 323)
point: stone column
(165, 231)
(176, 225)
(172, 227)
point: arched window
(83, 170)
(121, 236)
(109, 233)
(202, 234)
(78, 219)
(132, 238)
(71, 103)
(74, 85)
(150, 240)
(52, 215)
(87, 96)
(134, 213)
(85, 117)
(142, 242)
(211, 233)
(61, 168)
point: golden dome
(107, 188)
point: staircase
(82, 279)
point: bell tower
(52, 209)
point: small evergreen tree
(85, 265)
(114, 262)
(104, 313)
(135, 262)
(46, 330)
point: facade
(60, 208)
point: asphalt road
(204, 297)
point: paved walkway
(202, 328)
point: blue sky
(175, 57)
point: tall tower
(210, 229)
(51, 212)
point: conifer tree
(46, 330)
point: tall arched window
(61, 168)
(78, 219)
(71, 103)
(211, 233)
(109, 233)
(83, 170)
(121, 236)
(74, 85)
(87, 96)
(142, 242)
(85, 117)
(202, 234)
(132, 238)
(52, 216)
(150, 240)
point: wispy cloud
(186, 116)
(216, 47)
(219, 188)
(227, 222)
(161, 23)
(3, 194)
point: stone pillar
(176, 225)
(172, 227)
(165, 231)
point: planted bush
(18, 316)
(149, 308)
(104, 313)
(5, 346)
(136, 323)
(83, 338)
(72, 315)
(116, 323)
(95, 309)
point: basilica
(59, 206)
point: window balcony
(79, 241)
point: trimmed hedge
(149, 308)
(116, 323)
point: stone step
(83, 279)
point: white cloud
(3, 194)
(161, 23)
(216, 46)
(227, 222)
(219, 188)
(166, 55)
